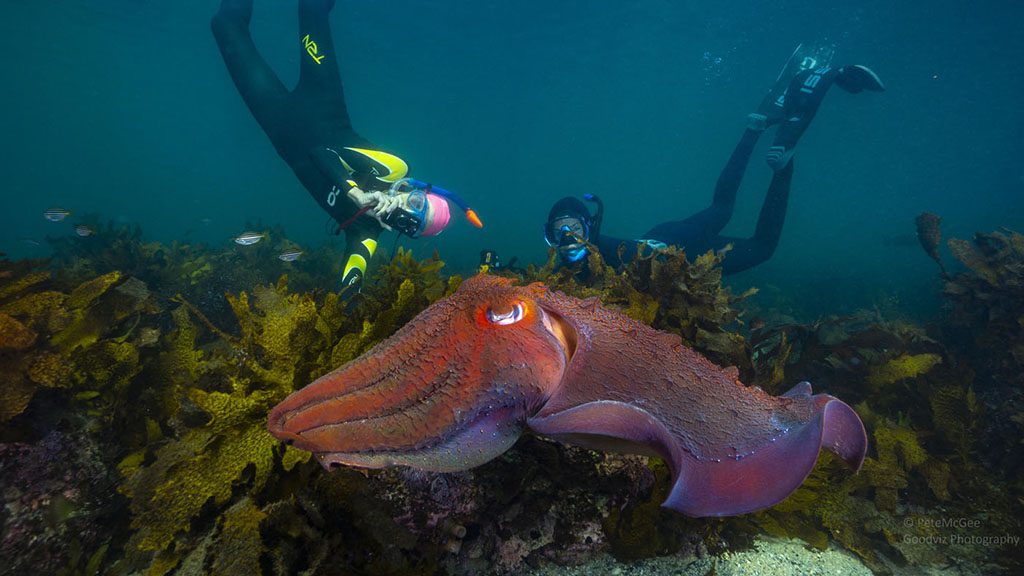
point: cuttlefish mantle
(457, 385)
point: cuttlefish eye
(504, 317)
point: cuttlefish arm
(450, 390)
(457, 386)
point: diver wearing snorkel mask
(790, 106)
(570, 226)
(412, 207)
(365, 190)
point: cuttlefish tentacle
(429, 396)
(456, 386)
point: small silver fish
(289, 256)
(56, 214)
(248, 238)
(84, 231)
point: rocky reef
(136, 379)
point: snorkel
(424, 200)
(448, 195)
(367, 169)
(572, 244)
(595, 220)
(573, 252)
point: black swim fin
(803, 97)
(857, 78)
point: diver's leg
(319, 78)
(749, 252)
(716, 216)
(707, 223)
(260, 88)
(360, 245)
(803, 98)
(710, 221)
(806, 56)
(773, 211)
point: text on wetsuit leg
(812, 81)
(332, 196)
(311, 49)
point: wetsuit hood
(572, 207)
(568, 206)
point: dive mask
(566, 230)
(570, 222)
(569, 234)
(410, 217)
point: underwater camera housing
(407, 218)
(404, 222)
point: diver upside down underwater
(363, 188)
(790, 105)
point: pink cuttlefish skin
(460, 383)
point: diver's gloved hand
(380, 203)
(802, 99)
(652, 244)
(385, 206)
(757, 122)
(778, 157)
(771, 110)
(362, 198)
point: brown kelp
(985, 319)
(282, 339)
(916, 471)
(929, 234)
(70, 358)
(665, 289)
(136, 383)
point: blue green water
(125, 110)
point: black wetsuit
(308, 125)
(700, 232)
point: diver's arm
(330, 165)
(609, 247)
(360, 238)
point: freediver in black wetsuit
(791, 105)
(362, 187)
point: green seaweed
(203, 465)
(902, 367)
(174, 354)
(665, 289)
(283, 341)
(647, 529)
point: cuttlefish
(457, 385)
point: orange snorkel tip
(448, 194)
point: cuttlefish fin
(486, 437)
(610, 426)
(723, 487)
